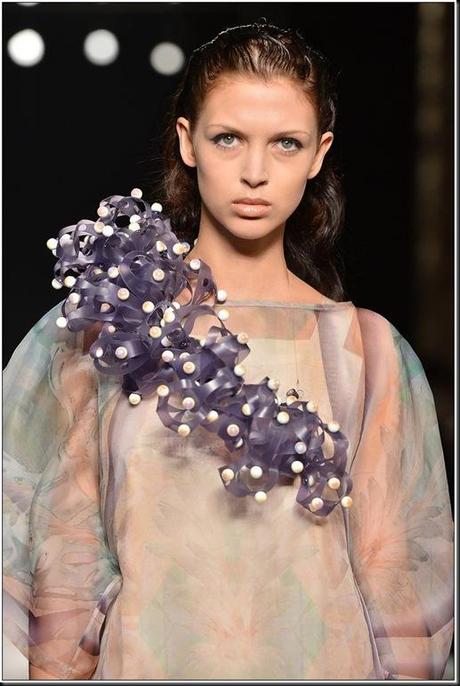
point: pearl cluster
(160, 323)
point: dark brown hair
(266, 51)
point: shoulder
(376, 328)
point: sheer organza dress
(124, 554)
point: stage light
(26, 48)
(101, 47)
(28, 4)
(167, 58)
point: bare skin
(246, 255)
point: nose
(254, 169)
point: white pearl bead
(162, 322)
(317, 503)
(256, 471)
(98, 227)
(74, 298)
(177, 248)
(155, 332)
(212, 416)
(176, 304)
(157, 207)
(188, 403)
(184, 355)
(195, 264)
(99, 352)
(123, 294)
(163, 390)
(239, 443)
(136, 193)
(346, 501)
(282, 417)
(167, 355)
(134, 219)
(107, 230)
(65, 239)
(103, 211)
(233, 430)
(51, 243)
(239, 369)
(333, 426)
(290, 399)
(61, 322)
(311, 406)
(97, 270)
(160, 246)
(169, 315)
(300, 448)
(227, 474)
(334, 483)
(121, 352)
(246, 409)
(56, 284)
(311, 480)
(260, 497)
(134, 226)
(158, 275)
(165, 342)
(105, 307)
(221, 295)
(273, 384)
(242, 337)
(297, 466)
(223, 315)
(134, 398)
(183, 430)
(111, 328)
(148, 306)
(189, 367)
(113, 272)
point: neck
(246, 268)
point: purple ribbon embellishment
(124, 271)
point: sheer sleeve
(59, 577)
(400, 526)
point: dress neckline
(275, 303)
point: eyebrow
(281, 133)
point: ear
(185, 141)
(325, 144)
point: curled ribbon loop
(125, 270)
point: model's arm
(59, 577)
(401, 527)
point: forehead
(278, 101)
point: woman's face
(253, 140)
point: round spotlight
(167, 58)
(26, 47)
(101, 47)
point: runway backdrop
(75, 132)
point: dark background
(74, 133)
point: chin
(250, 226)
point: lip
(251, 201)
(251, 210)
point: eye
(298, 145)
(219, 137)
